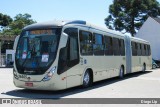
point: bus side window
(122, 49)
(69, 55)
(149, 50)
(116, 46)
(73, 48)
(98, 46)
(143, 51)
(108, 45)
(85, 38)
(139, 49)
(134, 48)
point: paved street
(137, 85)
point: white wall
(10, 51)
(150, 31)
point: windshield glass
(36, 50)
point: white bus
(62, 54)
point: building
(150, 31)
(6, 42)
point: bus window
(116, 47)
(98, 46)
(134, 48)
(86, 43)
(149, 50)
(69, 55)
(122, 47)
(45, 46)
(108, 45)
(139, 49)
(143, 50)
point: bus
(57, 55)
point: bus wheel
(144, 68)
(154, 66)
(87, 79)
(121, 73)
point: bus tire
(154, 66)
(144, 67)
(87, 79)
(121, 72)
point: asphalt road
(136, 85)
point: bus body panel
(74, 76)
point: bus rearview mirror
(63, 40)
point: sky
(93, 11)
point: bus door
(128, 54)
(72, 58)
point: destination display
(41, 32)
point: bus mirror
(63, 40)
(15, 42)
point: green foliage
(5, 20)
(129, 15)
(18, 23)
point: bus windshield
(36, 50)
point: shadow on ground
(38, 94)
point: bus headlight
(15, 73)
(49, 74)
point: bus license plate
(29, 84)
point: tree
(129, 15)
(13, 27)
(20, 21)
(5, 20)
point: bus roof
(51, 24)
(60, 23)
(139, 40)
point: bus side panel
(136, 65)
(147, 60)
(74, 76)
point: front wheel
(87, 79)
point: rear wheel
(144, 68)
(154, 66)
(121, 72)
(87, 79)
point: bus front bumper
(41, 85)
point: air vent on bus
(76, 22)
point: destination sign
(41, 32)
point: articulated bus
(62, 54)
